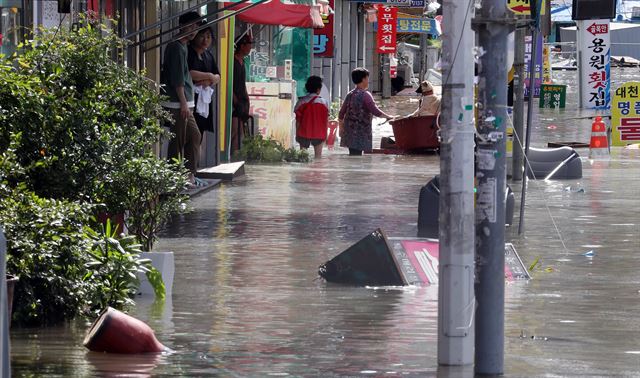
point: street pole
(5, 316)
(456, 303)
(518, 105)
(493, 27)
(423, 50)
(532, 74)
(386, 76)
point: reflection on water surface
(246, 301)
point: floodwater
(247, 302)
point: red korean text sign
(323, 38)
(387, 27)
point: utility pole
(456, 303)
(518, 105)
(386, 75)
(5, 317)
(532, 81)
(493, 26)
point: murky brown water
(246, 300)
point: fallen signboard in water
(377, 260)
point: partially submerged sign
(377, 260)
(553, 96)
(625, 115)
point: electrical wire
(455, 54)
(546, 204)
(46, 50)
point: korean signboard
(395, 3)
(547, 73)
(528, 49)
(387, 26)
(417, 25)
(553, 96)
(625, 115)
(523, 7)
(595, 63)
(323, 38)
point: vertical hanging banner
(594, 49)
(528, 50)
(625, 115)
(323, 38)
(387, 27)
(547, 73)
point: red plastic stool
(331, 136)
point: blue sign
(395, 3)
(417, 25)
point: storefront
(12, 19)
(277, 67)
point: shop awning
(275, 12)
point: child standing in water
(312, 117)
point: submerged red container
(117, 332)
(414, 133)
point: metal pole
(423, 48)
(518, 105)
(456, 302)
(532, 71)
(581, 84)
(5, 365)
(493, 27)
(386, 78)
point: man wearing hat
(429, 102)
(178, 86)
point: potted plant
(151, 189)
(115, 267)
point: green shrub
(334, 111)
(151, 190)
(81, 113)
(269, 150)
(47, 250)
(76, 129)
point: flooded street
(247, 302)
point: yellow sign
(625, 115)
(272, 107)
(523, 7)
(546, 66)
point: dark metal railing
(201, 27)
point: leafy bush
(81, 113)
(334, 111)
(113, 270)
(47, 249)
(259, 149)
(151, 191)
(76, 128)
